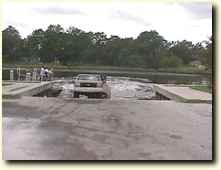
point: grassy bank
(202, 88)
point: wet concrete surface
(63, 128)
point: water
(121, 88)
(127, 87)
(160, 78)
(49, 93)
(124, 88)
(154, 77)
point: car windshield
(89, 77)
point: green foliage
(202, 88)
(208, 55)
(6, 59)
(183, 49)
(12, 44)
(171, 61)
(77, 47)
(151, 45)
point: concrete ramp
(183, 94)
(18, 89)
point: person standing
(42, 73)
(46, 73)
(103, 77)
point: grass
(202, 88)
(185, 69)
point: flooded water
(127, 89)
(121, 88)
(131, 87)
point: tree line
(75, 46)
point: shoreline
(120, 71)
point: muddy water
(121, 88)
(125, 88)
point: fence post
(18, 73)
(11, 75)
(34, 75)
(28, 76)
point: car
(92, 86)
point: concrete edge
(29, 91)
(176, 97)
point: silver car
(92, 86)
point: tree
(34, 44)
(183, 50)
(170, 61)
(12, 44)
(53, 44)
(75, 46)
(99, 40)
(152, 46)
(79, 46)
(208, 55)
(198, 51)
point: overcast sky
(174, 21)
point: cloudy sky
(174, 21)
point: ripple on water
(121, 88)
